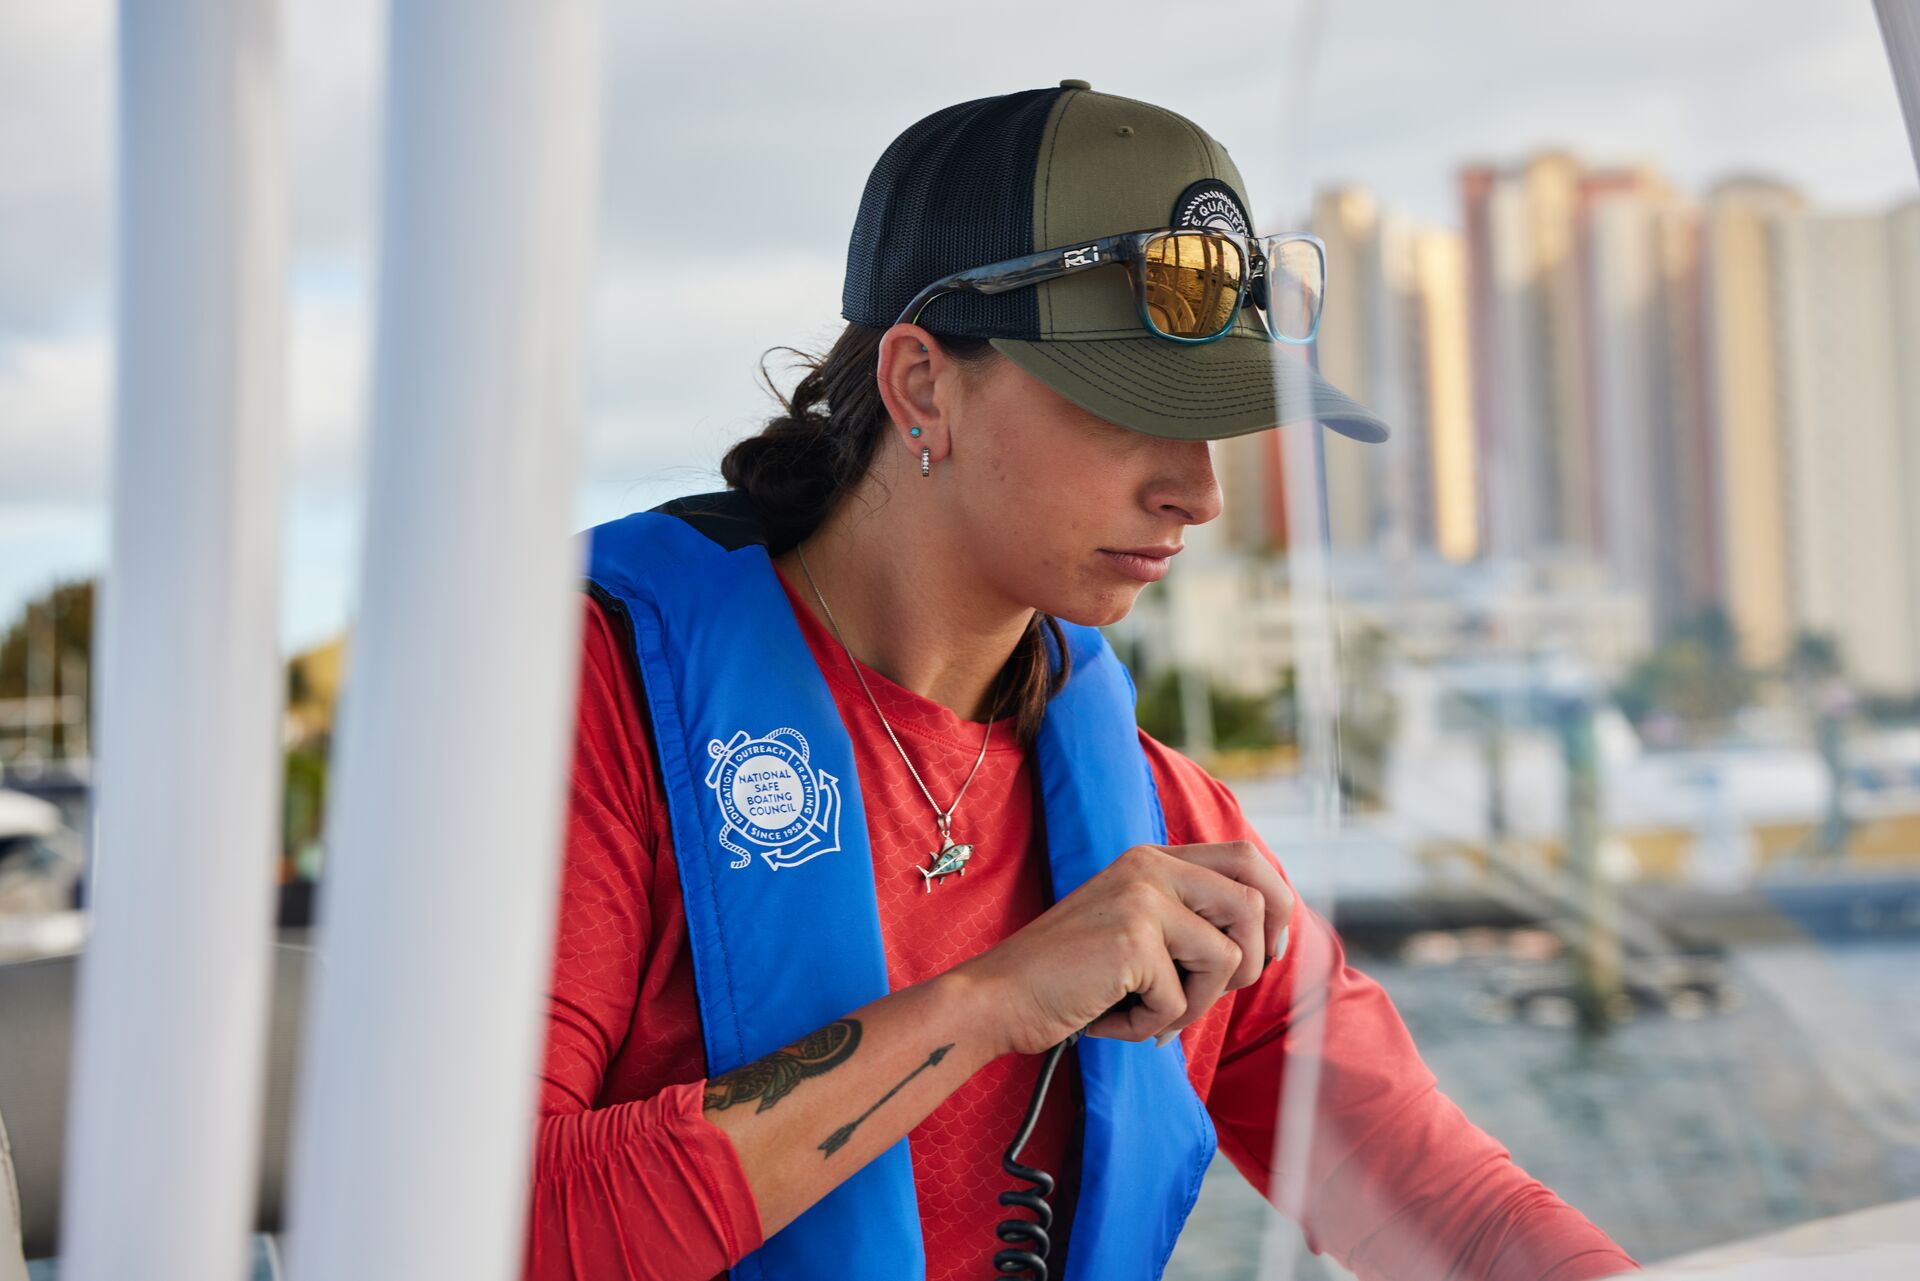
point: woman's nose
(1191, 491)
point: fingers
(1186, 963)
(1162, 1000)
(1244, 863)
(1228, 908)
(1210, 958)
(1200, 920)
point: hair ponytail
(812, 454)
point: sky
(735, 142)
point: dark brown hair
(809, 457)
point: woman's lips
(1148, 569)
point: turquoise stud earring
(914, 432)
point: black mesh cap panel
(954, 191)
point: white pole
(1900, 27)
(416, 1114)
(1313, 868)
(163, 1142)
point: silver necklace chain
(943, 817)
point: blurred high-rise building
(1346, 219)
(1623, 309)
(1552, 189)
(1702, 400)
(1526, 342)
(1647, 467)
(1903, 229)
(1687, 496)
(1393, 334)
(1848, 444)
(1253, 495)
(1445, 391)
(1742, 384)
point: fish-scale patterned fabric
(957, 1148)
(624, 1020)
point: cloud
(1408, 90)
(57, 146)
(335, 63)
(676, 349)
(749, 128)
(737, 138)
(328, 349)
(54, 396)
(56, 406)
(55, 152)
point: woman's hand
(1215, 910)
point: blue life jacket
(771, 839)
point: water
(1671, 1134)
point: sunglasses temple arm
(1048, 264)
(1016, 273)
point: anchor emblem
(772, 797)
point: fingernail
(1281, 950)
(1164, 1037)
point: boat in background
(41, 861)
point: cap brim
(1197, 391)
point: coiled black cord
(1021, 1235)
(1027, 1240)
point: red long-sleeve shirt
(631, 1180)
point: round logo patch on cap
(1212, 204)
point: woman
(861, 822)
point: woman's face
(1063, 511)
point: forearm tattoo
(773, 1077)
(835, 1141)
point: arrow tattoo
(838, 1139)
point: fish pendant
(948, 860)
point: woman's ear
(912, 367)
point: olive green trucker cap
(998, 178)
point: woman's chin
(1100, 608)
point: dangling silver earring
(926, 460)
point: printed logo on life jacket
(1213, 205)
(773, 799)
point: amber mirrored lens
(1296, 282)
(1193, 283)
